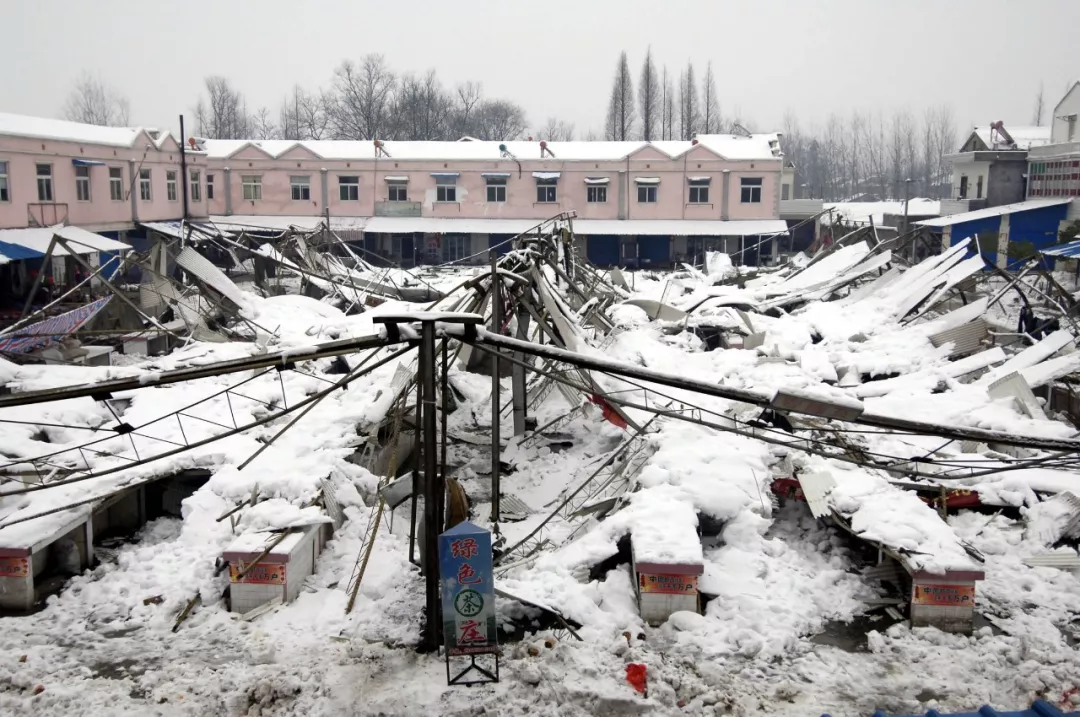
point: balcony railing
(397, 209)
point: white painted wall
(972, 170)
(1069, 106)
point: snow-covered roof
(65, 131)
(443, 225)
(861, 212)
(239, 221)
(952, 219)
(758, 146)
(1025, 137)
(80, 240)
(680, 227)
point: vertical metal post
(444, 390)
(520, 397)
(432, 487)
(496, 327)
(46, 264)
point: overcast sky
(984, 57)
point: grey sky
(984, 57)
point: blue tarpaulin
(1064, 251)
(16, 252)
(1039, 708)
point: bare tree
(620, 121)
(689, 107)
(1037, 113)
(467, 101)
(223, 114)
(649, 99)
(501, 119)
(363, 98)
(556, 130)
(262, 127)
(711, 122)
(305, 115)
(92, 101)
(667, 110)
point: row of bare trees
(665, 107)
(870, 155)
(368, 100)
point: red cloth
(610, 414)
(635, 675)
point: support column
(432, 487)
(325, 191)
(132, 172)
(496, 326)
(518, 377)
(724, 192)
(228, 191)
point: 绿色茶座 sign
(468, 590)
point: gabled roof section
(647, 150)
(299, 150)
(251, 150)
(1065, 96)
(1025, 137)
(64, 131)
(167, 143)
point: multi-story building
(637, 203)
(1054, 168)
(990, 169)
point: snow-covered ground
(786, 632)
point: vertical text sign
(468, 590)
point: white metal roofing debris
(735, 147)
(861, 212)
(264, 222)
(1030, 204)
(816, 488)
(446, 225)
(80, 240)
(1025, 137)
(215, 278)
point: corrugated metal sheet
(966, 338)
(1015, 386)
(1062, 562)
(816, 488)
(201, 267)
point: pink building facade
(637, 203)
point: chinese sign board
(943, 595)
(468, 590)
(668, 584)
(261, 574)
(14, 567)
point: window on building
(699, 191)
(82, 183)
(596, 194)
(170, 185)
(5, 192)
(116, 184)
(196, 185)
(750, 190)
(978, 187)
(646, 193)
(209, 186)
(397, 192)
(252, 184)
(496, 189)
(44, 183)
(446, 189)
(785, 192)
(349, 189)
(144, 185)
(547, 191)
(301, 188)
(963, 187)
(455, 247)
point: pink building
(638, 203)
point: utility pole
(183, 168)
(496, 327)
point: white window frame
(252, 187)
(146, 189)
(349, 187)
(209, 186)
(5, 182)
(650, 197)
(455, 247)
(116, 184)
(755, 188)
(547, 192)
(446, 190)
(170, 185)
(195, 180)
(496, 191)
(699, 194)
(44, 182)
(397, 192)
(82, 183)
(596, 194)
(300, 187)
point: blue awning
(16, 252)
(86, 162)
(1065, 251)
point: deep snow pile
(777, 579)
